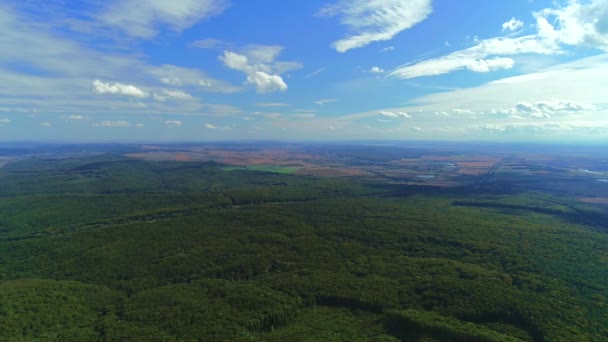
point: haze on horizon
(140, 70)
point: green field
(264, 168)
(112, 249)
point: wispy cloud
(545, 109)
(574, 25)
(395, 115)
(143, 18)
(209, 43)
(315, 73)
(325, 101)
(172, 94)
(113, 124)
(173, 123)
(375, 20)
(183, 77)
(271, 104)
(211, 126)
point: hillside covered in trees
(110, 248)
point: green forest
(106, 248)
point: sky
(208, 70)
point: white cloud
(302, 115)
(268, 115)
(139, 125)
(376, 70)
(77, 117)
(236, 61)
(553, 128)
(395, 115)
(113, 124)
(173, 123)
(178, 76)
(463, 111)
(176, 94)
(324, 101)
(545, 109)
(210, 126)
(512, 25)
(262, 53)
(581, 81)
(4, 121)
(118, 89)
(46, 124)
(265, 83)
(387, 49)
(375, 20)
(143, 18)
(258, 63)
(58, 70)
(314, 73)
(577, 24)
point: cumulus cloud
(139, 125)
(210, 126)
(512, 25)
(77, 117)
(173, 123)
(259, 63)
(375, 20)
(376, 70)
(142, 18)
(324, 101)
(118, 89)
(265, 83)
(394, 115)
(577, 24)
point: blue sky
(141, 70)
